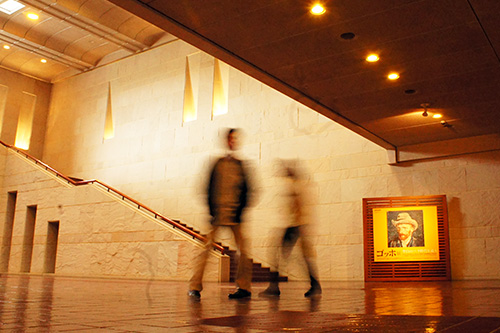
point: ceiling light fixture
(425, 106)
(43, 61)
(437, 116)
(445, 124)
(7, 47)
(393, 76)
(318, 9)
(10, 6)
(372, 58)
(33, 16)
(347, 35)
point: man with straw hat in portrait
(405, 226)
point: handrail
(117, 192)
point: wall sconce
(425, 106)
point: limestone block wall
(163, 162)
(98, 234)
(13, 90)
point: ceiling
(73, 36)
(447, 53)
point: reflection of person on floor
(297, 230)
(228, 193)
(405, 226)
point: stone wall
(162, 162)
(99, 234)
(13, 90)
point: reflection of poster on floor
(405, 234)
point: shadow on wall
(457, 236)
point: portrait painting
(405, 228)
(405, 233)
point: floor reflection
(52, 303)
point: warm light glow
(33, 16)
(25, 121)
(318, 9)
(43, 60)
(7, 47)
(372, 58)
(189, 112)
(393, 76)
(109, 130)
(220, 84)
(437, 116)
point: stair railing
(124, 197)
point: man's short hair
(231, 131)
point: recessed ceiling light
(437, 116)
(10, 6)
(393, 76)
(32, 16)
(43, 60)
(318, 9)
(347, 35)
(7, 47)
(372, 58)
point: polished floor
(32, 303)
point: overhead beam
(88, 25)
(448, 148)
(44, 52)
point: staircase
(260, 273)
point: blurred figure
(297, 230)
(228, 194)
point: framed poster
(406, 238)
(405, 234)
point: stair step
(259, 273)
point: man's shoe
(313, 291)
(194, 294)
(271, 291)
(240, 293)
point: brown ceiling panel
(194, 14)
(140, 30)
(18, 23)
(433, 132)
(149, 35)
(414, 47)
(46, 70)
(44, 30)
(74, 35)
(446, 51)
(93, 9)
(22, 61)
(433, 54)
(487, 12)
(448, 103)
(474, 112)
(76, 5)
(96, 54)
(63, 39)
(115, 17)
(15, 58)
(443, 50)
(432, 81)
